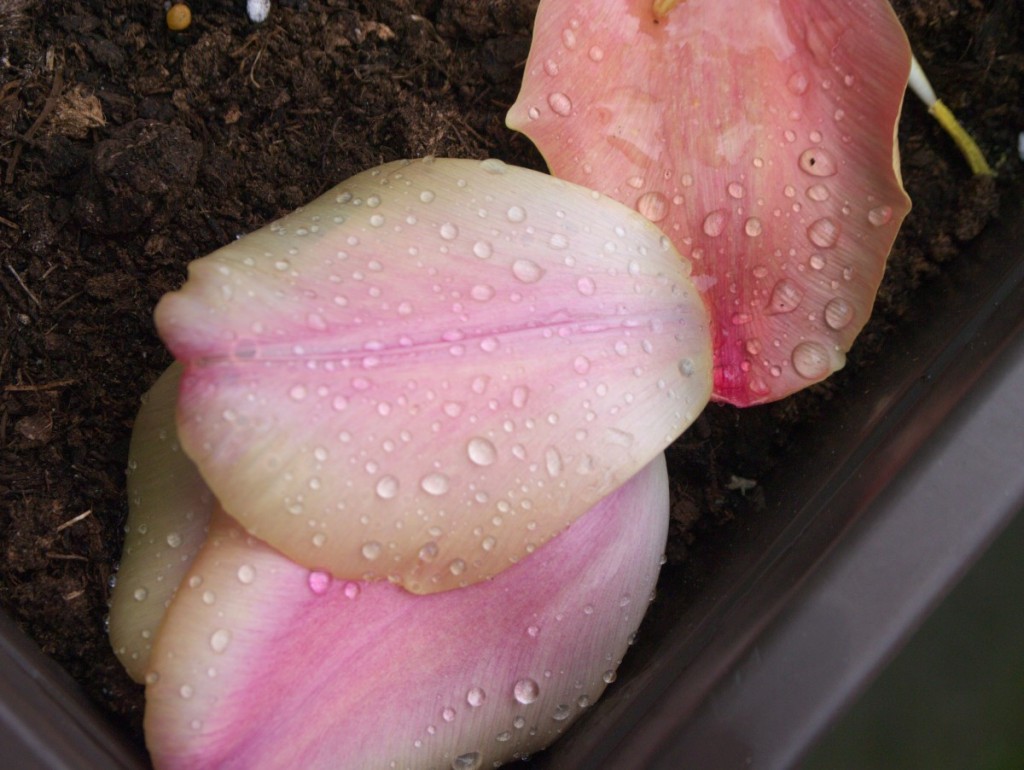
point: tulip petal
(760, 136)
(169, 509)
(434, 368)
(263, 663)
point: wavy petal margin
(434, 368)
(760, 136)
(265, 663)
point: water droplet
(428, 552)
(481, 292)
(520, 395)
(553, 461)
(470, 761)
(568, 38)
(387, 487)
(714, 223)
(735, 190)
(562, 712)
(297, 392)
(797, 83)
(558, 241)
(457, 567)
(371, 550)
(596, 53)
(880, 215)
(810, 360)
(376, 220)
(551, 67)
(818, 162)
(526, 691)
(823, 233)
(476, 697)
(219, 640)
(752, 227)
(351, 590)
(246, 574)
(186, 691)
(319, 539)
(527, 271)
(608, 676)
(818, 192)
(140, 594)
(560, 104)
(448, 714)
(516, 214)
(481, 451)
(586, 286)
(817, 262)
(653, 205)
(581, 365)
(434, 484)
(838, 313)
(319, 581)
(786, 296)
(209, 597)
(448, 231)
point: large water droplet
(319, 581)
(434, 484)
(476, 697)
(785, 298)
(481, 451)
(818, 162)
(797, 83)
(735, 190)
(371, 550)
(472, 760)
(714, 223)
(219, 640)
(562, 712)
(516, 214)
(449, 231)
(387, 487)
(586, 286)
(526, 691)
(428, 551)
(560, 104)
(838, 313)
(880, 215)
(752, 227)
(818, 192)
(527, 271)
(246, 574)
(823, 233)
(653, 205)
(811, 361)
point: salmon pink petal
(434, 368)
(263, 663)
(760, 136)
(169, 509)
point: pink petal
(434, 368)
(760, 136)
(262, 663)
(169, 508)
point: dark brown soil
(127, 150)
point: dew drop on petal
(371, 550)
(527, 271)
(714, 223)
(449, 231)
(434, 484)
(516, 214)
(246, 574)
(472, 760)
(880, 215)
(387, 487)
(818, 162)
(753, 227)
(219, 640)
(838, 313)
(319, 581)
(560, 104)
(481, 451)
(476, 697)
(823, 233)
(526, 691)
(810, 360)
(586, 286)
(797, 83)
(653, 205)
(785, 298)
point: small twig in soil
(51, 102)
(75, 520)
(24, 286)
(8, 223)
(37, 388)
(65, 556)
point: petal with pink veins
(263, 663)
(760, 136)
(169, 509)
(434, 368)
